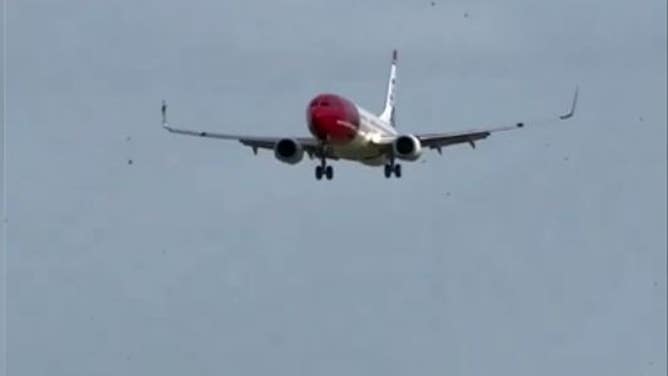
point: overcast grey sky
(3, 241)
(543, 251)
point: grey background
(547, 257)
(3, 240)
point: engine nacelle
(289, 151)
(407, 147)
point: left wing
(311, 145)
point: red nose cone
(330, 124)
(332, 119)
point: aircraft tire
(388, 171)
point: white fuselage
(364, 147)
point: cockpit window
(321, 102)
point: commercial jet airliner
(343, 130)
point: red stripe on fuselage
(332, 118)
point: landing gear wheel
(329, 172)
(318, 172)
(397, 170)
(388, 171)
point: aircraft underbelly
(367, 154)
(361, 149)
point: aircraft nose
(332, 119)
(322, 119)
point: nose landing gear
(324, 169)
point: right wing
(439, 140)
(311, 145)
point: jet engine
(407, 147)
(289, 151)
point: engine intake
(407, 147)
(289, 151)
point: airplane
(342, 130)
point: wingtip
(394, 55)
(573, 104)
(163, 110)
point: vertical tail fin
(390, 99)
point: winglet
(163, 109)
(572, 111)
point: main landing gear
(392, 168)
